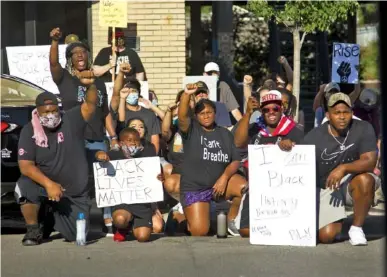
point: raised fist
(344, 71)
(55, 34)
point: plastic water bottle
(81, 229)
(221, 225)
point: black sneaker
(33, 236)
(108, 230)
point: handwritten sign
(32, 64)
(130, 181)
(210, 81)
(113, 13)
(282, 195)
(345, 63)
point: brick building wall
(161, 28)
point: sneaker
(178, 208)
(120, 235)
(33, 236)
(356, 236)
(109, 231)
(232, 229)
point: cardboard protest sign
(130, 181)
(32, 63)
(113, 13)
(282, 189)
(210, 81)
(345, 63)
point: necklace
(342, 145)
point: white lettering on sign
(130, 181)
(345, 63)
(32, 63)
(282, 195)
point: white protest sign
(210, 81)
(130, 181)
(282, 189)
(345, 63)
(31, 63)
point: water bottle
(81, 229)
(221, 225)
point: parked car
(17, 103)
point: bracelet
(113, 137)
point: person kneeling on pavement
(345, 157)
(139, 214)
(53, 165)
(273, 127)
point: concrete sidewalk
(189, 256)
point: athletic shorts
(192, 197)
(65, 211)
(142, 214)
(331, 204)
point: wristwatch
(113, 137)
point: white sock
(108, 224)
(356, 228)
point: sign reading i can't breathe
(282, 195)
(130, 181)
(345, 63)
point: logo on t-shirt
(212, 151)
(177, 144)
(120, 60)
(22, 152)
(60, 137)
(82, 95)
(327, 157)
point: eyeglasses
(275, 109)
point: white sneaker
(356, 236)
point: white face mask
(50, 120)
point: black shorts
(177, 169)
(142, 214)
(65, 211)
(243, 214)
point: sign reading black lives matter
(345, 63)
(282, 189)
(130, 181)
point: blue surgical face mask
(155, 103)
(175, 121)
(132, 99)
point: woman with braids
(73, 93)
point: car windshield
(18, 93)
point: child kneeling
(139, 214)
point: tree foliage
(306, 16)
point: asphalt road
(188, 256)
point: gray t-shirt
(227, 97)
(152, 124)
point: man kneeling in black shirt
(345, 157)
(139, 214)
(52, 161)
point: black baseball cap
(201, 87)
(46, 98)
(72, 45)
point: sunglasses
(275, 109)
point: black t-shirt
(175, 148)
(361, 139)
(127, 56)
(64, 160)
(152, 124)
(73, 93)
(148, 151)
(207, 154)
